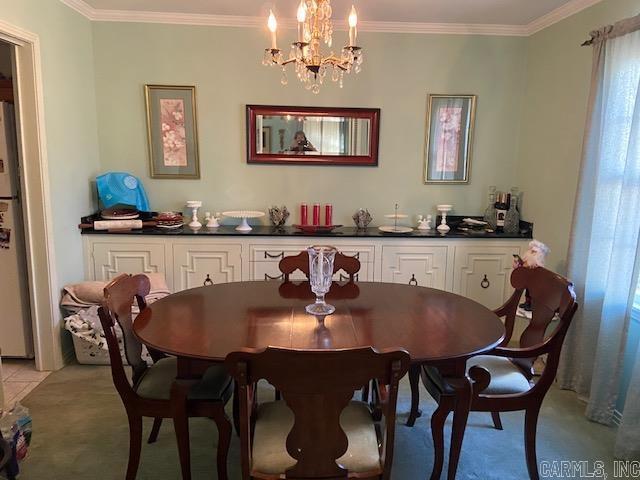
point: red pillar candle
(304, 214)
(316, 214)
(328, 214)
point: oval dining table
(201, 326)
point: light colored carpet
(81, 432)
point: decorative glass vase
(321, 258)
(512, 217)
(490, 214)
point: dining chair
(317, 430)
(350, 266)
(504, 377)
(148, 394)
(288, 265)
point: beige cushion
(157, 380)
(274, 421)
(505, 376)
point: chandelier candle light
(314, 27)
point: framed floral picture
(449, 138)
(172, 131)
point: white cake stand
(243, 214)
(443, 209)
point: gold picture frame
(172, 131)
(449, 132)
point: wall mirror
(312, 135)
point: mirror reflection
(312, 135)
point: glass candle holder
(321, 258)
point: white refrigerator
(16, 339)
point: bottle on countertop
(512, 217)
(490, 212)
(502, 206)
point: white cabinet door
(195, 265)
(415, 265)
(112, 259)
(483, 273)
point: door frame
(46, 317)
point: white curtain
(603, 257)
(324, 134)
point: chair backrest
(119, 296)
(551, 294)
(288, 265)
(317, 385)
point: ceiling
(511, 16)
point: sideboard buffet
(472, 265)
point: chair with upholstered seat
(349, 265)
(149, 392)
(317, 430)
(504, 377)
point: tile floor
(19, 377)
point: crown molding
(81, 7)
(560, 13)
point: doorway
(33, 180)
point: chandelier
(311, 65)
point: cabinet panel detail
(483, 274)
(202, 265)
(110, 260)
(423, 266)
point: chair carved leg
(224, 440)
(236, 408)
(179, 392)
(530, 427)
(414, 381)
(497, 423)
(155, 430)
(135, 445)
(438, 419)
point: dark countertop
(526, 232)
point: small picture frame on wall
(172, 131)
(449, 138)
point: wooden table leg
(414, 381)
(463, 395)
(179, 392)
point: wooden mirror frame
(371, 160)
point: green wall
(225, 65)
(532, 95)
(70, 118)
(554, 112)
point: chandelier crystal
(311, 65)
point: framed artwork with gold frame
(172, 131)
(449, 138)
